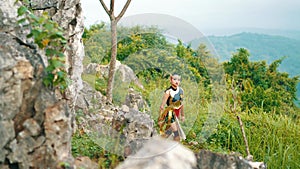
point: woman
(168, 119)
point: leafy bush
(48, 36)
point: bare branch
(105, 7)
(123, 10)
(112, 6)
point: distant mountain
(292, 34)
(261, 47)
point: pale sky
(209, 16)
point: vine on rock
(48, 36)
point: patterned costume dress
(171, 113)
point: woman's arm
(164, 100)
(181, 110)
(182, 118)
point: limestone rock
(159, 153)
(208, 159)
(127, 74)
(85, 163)
(135, 101)
(36, 122)
(89, 98)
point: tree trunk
(113, 27)
(244, 135)
(112, 65)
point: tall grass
(273, 139)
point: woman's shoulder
(169, 88)
(180, 89)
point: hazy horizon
(211, 17)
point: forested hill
(261, 47)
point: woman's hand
(182, 118)
(162, 107)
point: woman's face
(175, 80)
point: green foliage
(263, 96)
(263, 47)
(83, 145)
(130, 41)
(120, 89)
(49, 37)
(93, 30)
(135, 43)
(96, 41)
(196, 61)
(261, 86)
(65, 165)
(147, 52)
(98, 82)
(138, 40)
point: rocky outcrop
(110, 126)
(208, 159)
(160, 153)
(89, 99)
(36, 122)
(85, 163)
(166, 154)
(135, 101)
(120, 131)
(127, 74)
